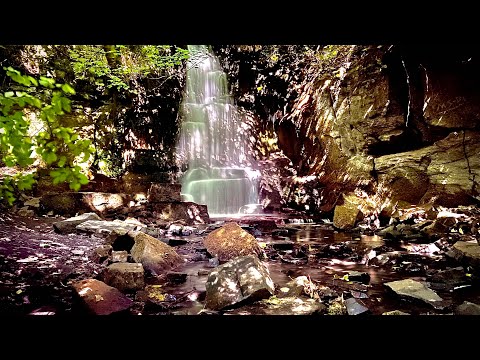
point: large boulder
(242, 278)
(230, 241)
(155, 256)
(124, 276)
(100, 298)
(346, 215)
(412, 289)
(467, 253)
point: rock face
(155, 256)
(230, 241)
(70, 203)
(190, 212)
(242, 278)
(396, 122)
(164, 193)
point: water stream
(212, 141)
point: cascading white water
(212, 142)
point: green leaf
(68, 89)
(65, 104)
(9, 94)
(50, 157)
(82, 179)
(75, 186)
(62, 161)
(46, 82)
(33, 80)
(37, 103)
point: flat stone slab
(284, 306)
(105, 228)
(414, 289)
(69, 225)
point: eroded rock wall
(395, 125)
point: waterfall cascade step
(212, 141)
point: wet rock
(285, 306)
(125, 276)
(33, 202)
(389, 232)
(448, 279)
(355, 307)
(102, 253)
(337, 307)
(213, 262)
(176, 242)
(71, 203)
(345, 216)
(105, 228)
(423, 249)
(414, 289)
(438, 227)
(26, 212)
(385, 258)
(175, 229)
(176, 277)
(395, 312)
(119, 256)
(153, 254)
(69, 225)
(362, 277)
(293, 288)
(282, 245)
(189, 212)
(230, 241)
(467, 308)
(165, 192)
(241, 279)
(358, 294)
(155, 298)
(264, 225)
(100, 298)
(467, 253)
(326, 293)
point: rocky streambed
(250, 265)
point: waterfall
(212, 142)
